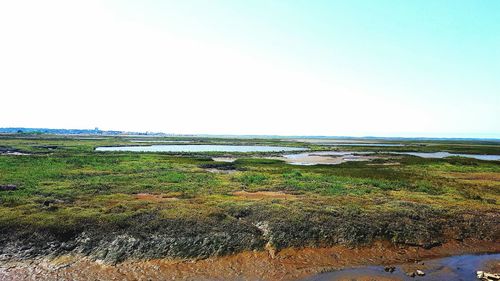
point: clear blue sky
(387, 68)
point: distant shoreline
(96, 131)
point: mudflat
(288, 264)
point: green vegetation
(64, 186)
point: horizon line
(152, 133)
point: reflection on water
(451, 268)
(443, 154)
(200, 148)
(337, 157)
(309, 158)
(161, 141)
(359, 144)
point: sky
(341, 68)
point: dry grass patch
(264, 194)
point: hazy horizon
(414, 135)
(301, 68)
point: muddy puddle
(225, 159)
(326, 157)
(220, 171)
(315, 158)
(462, 267)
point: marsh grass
(65, 188)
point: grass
(69, 184)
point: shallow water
(14, 153)
(310, 158)
(451, 268)
(199, 148)
(359, 144)
(161, 141)
(337, 157)
(443, 154)
(224, 159)
(324, 157)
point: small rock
(487, 276)
(390, 269)
(411, 274)
(419, 273)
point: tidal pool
(312, 158)
(200, 148)
(360, 144)
(443, 154)
(325, 157)
(161, 141)
(347, 142)
(451, 268)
